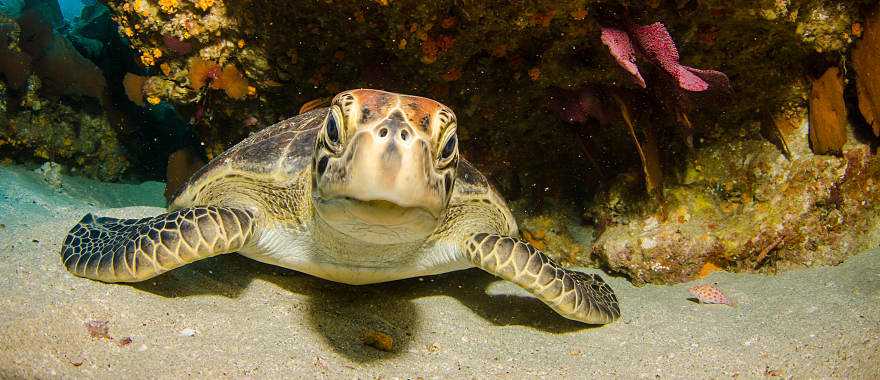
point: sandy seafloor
(253, 320)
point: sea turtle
(367, 190)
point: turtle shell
(282, 150)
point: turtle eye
(449, 148)
(332, 129)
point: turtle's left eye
(449, 148)
(332, 129)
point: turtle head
(384, 166)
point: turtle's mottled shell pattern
(285, 148)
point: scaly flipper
(131, 250)
(574, 295)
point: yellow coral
(252, 90)
(204, 4)
(147, 59)
(168, 6)
(240, 44)
(166, 69)
(157, 53)
(153, 100)
(142, 7)
(127, 31)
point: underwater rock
(74, 136)
(867, 67)
(828, 119)
(51, 174)
(549, 233)
(743, 206)
(61, 68)
(49, 11)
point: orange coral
(229, 79)
(204, 4)
(535, 73)
(232, 82)
(134, 85)
(707, 269)
(169, 6)
(200, 71)
(147, 59)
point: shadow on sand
(339, 312)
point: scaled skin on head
(384, 166)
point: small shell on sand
(379, 340)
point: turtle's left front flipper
(130, 250)
(574, 295)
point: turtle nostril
(404, 134)
(383, 132)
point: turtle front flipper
(574, 295)
(131, 250)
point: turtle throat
(376, 221)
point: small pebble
(188, 332)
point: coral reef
(742, 205)
(496, 64)
(588, 101)
(40, 67)
(54, 131)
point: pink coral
(655, 43)
(621, 48)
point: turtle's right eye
(332, 129)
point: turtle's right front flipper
(131, 250)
